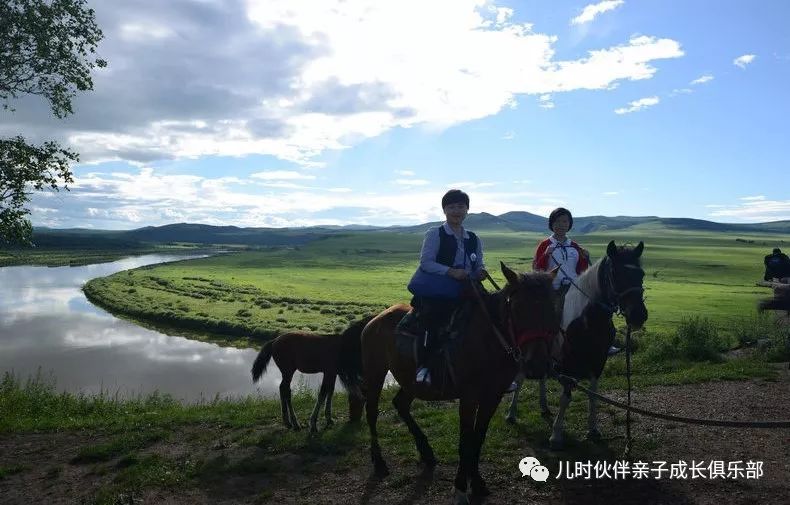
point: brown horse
(485, 364)
(334, 355)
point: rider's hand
(458, 274)
(482, 274)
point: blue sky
(278, 113)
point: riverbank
(63, 448)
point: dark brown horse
(524, 313)
(334, 355)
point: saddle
(411, 337)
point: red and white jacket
(567, 254)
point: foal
(334, 355)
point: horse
(612, 284)
(334, 355)
(484, 365)
(780, 301)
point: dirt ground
(49, 477)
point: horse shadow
(580, 491)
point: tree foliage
(24, 168)
(47, 48)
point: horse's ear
(554, 271)
(510, 275)
(638, 250)
(611, 249)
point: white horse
(580, 350)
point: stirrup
(512, 387)
(613, 350)
(423, 376)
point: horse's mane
(576, 300)
(589, 286)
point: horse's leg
(544, 403)
(513, 410)
(402, 402)
(467, 409)
(374, 385)
(329, 394)
(485, 412)
(592, 415)
(285, 397)
(320, 401)
(291, 414)
(557, 441)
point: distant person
(777, 266)
(450, 254)
(558, 250)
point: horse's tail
(350, 366)
(262, 361)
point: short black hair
(455, 196)
(556, 213)
(777, 250)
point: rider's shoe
(423, 376)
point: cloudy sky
(296, 112)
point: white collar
(450, 231)
(554, 241)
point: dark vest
(448, 247)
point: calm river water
(47, 325)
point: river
(47, 326)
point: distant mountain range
(480, 222)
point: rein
(512, 350)
(612, 307)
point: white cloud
(545, 101)
(405, 173)
(637, 105)
(290, 78)
(742, 61)
(755, 209)
(411, 182)
(591, 11)
(281, 175)
(753, 198)
(681, 91)
(611, 193)
(509, 135)
(702, 79)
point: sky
(272, 113)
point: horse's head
(533, 322)
(625, 278)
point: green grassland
(322, 285)
(700, 290)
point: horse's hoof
(313, 430)
(556, 444)
(429, 460)
(594, 435)
(546, 413)
(329, 423)
(296, 427)
(480, 490)
(510, 419)
(381, 470)
(460, 497)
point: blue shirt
(430, 248)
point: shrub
(698, 339)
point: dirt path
(49, 477)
